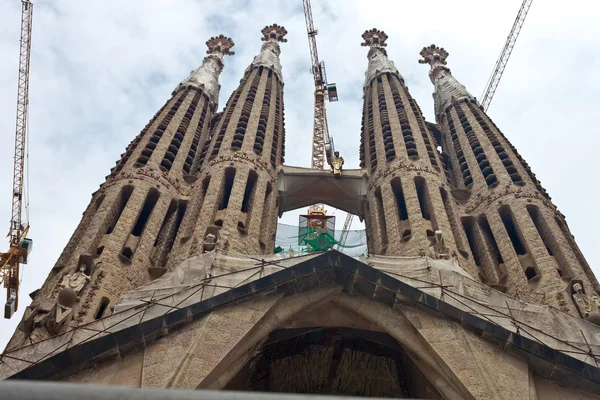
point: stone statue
(438, 249)
(336, 164)
(585, 304)
(210, 242)
(76, 281)
(210, 239)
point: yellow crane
(322, 143)
(19, 245)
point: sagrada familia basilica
(473, 287)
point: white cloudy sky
(101, 69)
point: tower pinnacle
(207, 75)
(270, 50)
(447, 88)
(378, 58)
(436, 57)
(274, 33)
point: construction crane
(19, 246)
(490, 87)
(322, 144)
(494, 80)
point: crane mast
(322, 144)
(18, 246)
(494, 80)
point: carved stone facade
(518, 240)
(408, 189)
(236, 191)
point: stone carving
(142, 175)
(586, 305)
(239, 156)
(438, 249)
(518, 193)
(336, 164)
(211, 238)
(62, 313)
(75, 281)
(408, 166)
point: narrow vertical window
(151, 200)
(542, 229)
(511, 228)
(469, 227)
(249, 192)
(227, 186)
(453, 223)
(102, 308)
(264, 221)
(488, 236)
(549, 240)
(425, 201)
(247, 201)
(382, 223)
(400, 202)
(121, 204)
(488, 272)
(143, 217)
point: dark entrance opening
(330, 360)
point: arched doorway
(333, 360)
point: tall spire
(206, 77)
(378, 58)
(270, 50)
(447, 88)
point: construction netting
(291, 239)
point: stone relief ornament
(211, 238)
(438, 249)
(76, 281)
(585, 304)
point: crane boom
(494, 80)
(9, 267)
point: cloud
(101, 69)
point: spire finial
(374, 38)
(274, 33)
(436, 57)
(377, 55)
(220, 45)
(206, 76)
(447, 88)
(433, 53)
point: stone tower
(129, 227)
(235, 197)
(519, 241)
(408, 190)
(473, 287)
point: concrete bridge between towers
(301, 187)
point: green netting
(288, 240)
